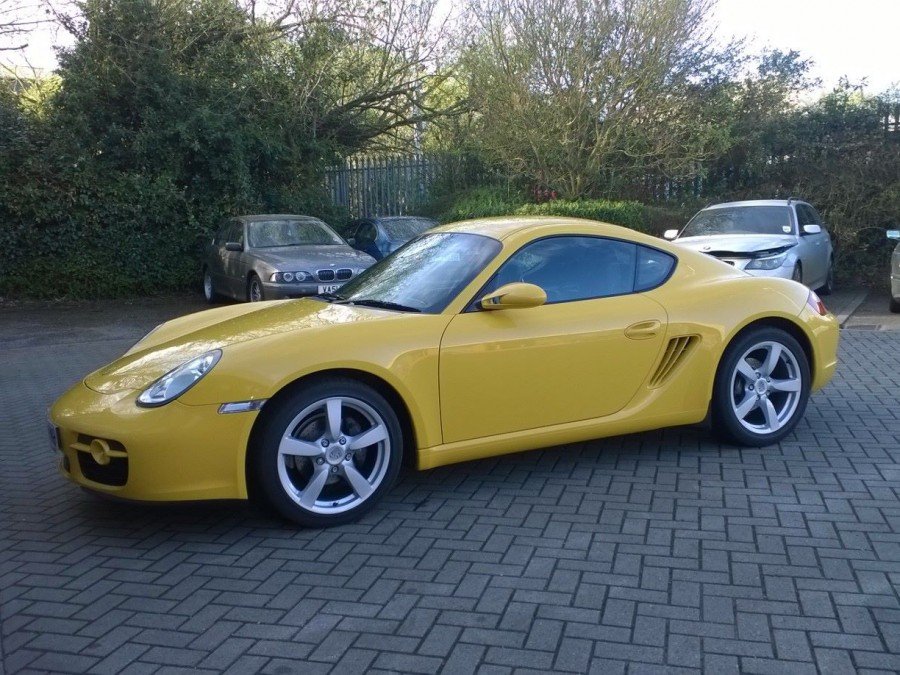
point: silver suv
(765, 237)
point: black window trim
(474, 306)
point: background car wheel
(326, 453)
(797, 274)
(209, 291)
(828, 288)
(761, 388)
(895, 305)
(254, 289)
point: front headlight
(290, 277)
(769, 263)
(174, 383)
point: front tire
(797, 274)
(326, 453)
(895, 305)
(255, 291)
(209, 291)
(761, 388)
(828, 287)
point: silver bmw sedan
(268, 257)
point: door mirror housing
(893, 234)
(812, 229)
(351, 241)
(234, 246)
(670, 234)
(514, 296)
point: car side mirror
(514, 296)
(893, 234)
(351, 241)
(234, 246)
(670, 234)
(812, 229)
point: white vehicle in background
(895, 272)
(766, 238)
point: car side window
(817, 219)
(572, 267)
(653, 268)
(222, 234)
(236, 232)
(804, 216)
(366, 234)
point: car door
(366, 239)
(233, 261)
(582, 355)
(813, 252)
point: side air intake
(677, 349)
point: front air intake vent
(676, 351)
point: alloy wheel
(207, 286)
(766, 387)
(333, 455)
(255, 290)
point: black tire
(265, 474)
(828, 287)
(895, 305)
(209, 290)
(726, 424)
(254, 283)
(797, 274)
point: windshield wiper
(331, 297)
(384, 304)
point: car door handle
(642, 330)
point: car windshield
(425, 274)
(740, 220)
(283, 232)
(405, 228)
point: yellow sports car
(474, 339)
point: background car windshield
(741, 220)
(427, 273)
(406, 228)
(273, 233)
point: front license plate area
(328, 288)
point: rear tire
(761, 388)
(895, 305)
(326, 453)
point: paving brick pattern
(655, 552)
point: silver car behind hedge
(268, 257)
(765, 237)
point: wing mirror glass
(893, 234)
(514, 296)
(812, 229)
(234, 246)
(670, 234)
(351, 241)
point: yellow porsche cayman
(475, 339)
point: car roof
(756, 202)
(503, 227)
(274, 216)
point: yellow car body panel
(474, 384)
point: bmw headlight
(290, 277)
(771, 262)
(174, 383)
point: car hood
(317, 257)
(738, 243)
(172, 343)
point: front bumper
(783, 272)
(272, 291)
(176, 452)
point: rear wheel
(895, 305)
(254, 289)
(209, 291)
(327, 453)
(761, 388)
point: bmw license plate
(328, 288)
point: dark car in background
(267, 257)
(380, 236)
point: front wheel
(209, 291)
(761, 388)
(255, 289)
(828, 287)
(895, 305)
(797, 274)
(327, 452)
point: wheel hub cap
(761, 387)
(334, 455)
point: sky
(853, 38)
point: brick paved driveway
(658, 551)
